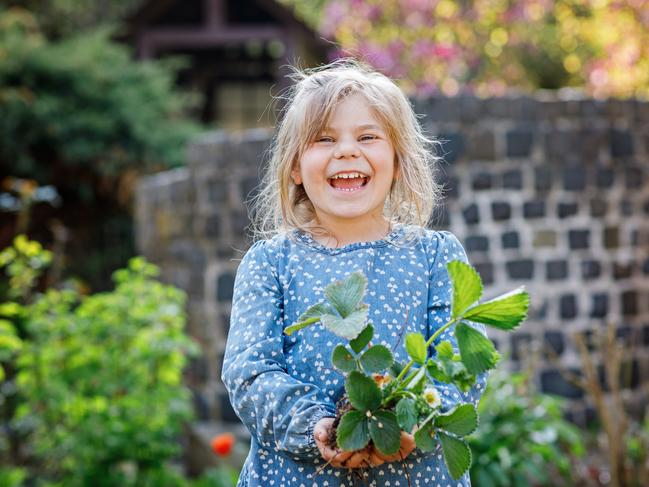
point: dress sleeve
(278, 410)
(440, 291)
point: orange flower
(222, 444)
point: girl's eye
(368, 137)
(324, 138)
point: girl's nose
(346, 148)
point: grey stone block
(568, 306)
(621, 143)
(579, 239)
(574, 179)
(481, 181)
(512, 179)
(476, 243)
(471, 214)
(519, 142)
(629, 301)
(590, 269)
(486, 272)
(599, 305)
(553, 343)
(564, 210)
(452, 146)
(224, 287)
(510, 240)
(520, 269)
(501, 210)
(553, 382)
(556, 270)
(534, 209)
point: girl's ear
(296, 176)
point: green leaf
(461, 421)
(396, 368)
(342, 359)
(416, 347)
(353, 432)
(362, 391)
(415, 379)
(504, 312)
(315, 311)
(477, 351)
(376, 359)
(425, 438)
(457, 454)
(346, 295)
(385, 432)
(349, 327)
(361, 341)
(445, 349)
(310, 316)
(467, 286)
(406, 414)
(289, 330)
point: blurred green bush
(93, 393)
(523, 438)
(83, 103)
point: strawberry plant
(383, 396)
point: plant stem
(428, 344)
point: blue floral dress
(282, 386)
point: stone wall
(547, 192)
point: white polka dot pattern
(281, 386)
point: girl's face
(348, 169)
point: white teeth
(348, 175)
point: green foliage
(457, 454)
(82, 103)
(416, 347)
(522, 438)
(477, 351)
(384, 405)
(467, 286)
(462, 421)
(376, 359)
(100, 377)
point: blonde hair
(282, 206)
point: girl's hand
(334, 455)
(407, 445)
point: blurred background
(133, 133)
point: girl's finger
(375, 460)
(358, 459)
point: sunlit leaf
(346, 295)
(385, 432)
(353, 432)
(349, 327)
(361, 341)
(416, 347)
(425, 438)
(309, 317)
(362, 391)
(406, 414)
(457, 454)
(445, 349)
(505, 312)
(315, 311)
(342, 359)
(467, 286)
(461, 421)
(477, 351)
(376, 359)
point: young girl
(349, 188)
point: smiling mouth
(351, 182)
